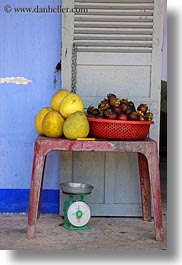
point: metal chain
(74, 69)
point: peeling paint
(15, 80)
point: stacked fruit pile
(114, 108)
(65, 117)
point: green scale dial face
(78, 214)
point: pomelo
(70, 104)
(57, 98)
(76, 125)
(39, 118)
(52, 124)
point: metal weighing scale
(76, 212)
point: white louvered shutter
(118, 50)
(114, 26)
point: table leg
(40, 196)
(145, 186)
(155, 190)
(35, 191)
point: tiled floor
(104, 233)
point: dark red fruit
(149, 116)
(133, 116)
(106, 113)
(90, 116)
(114, 101)
(117, 109)
(141, 118)
(112, 116)
(124, 100)
(104, 104)
(128, 111)
(95, 112)
(122, 117)
(89, 109)
(143, 108)
(124, 107)
(131, 104)
(110, 95)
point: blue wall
(30, 47)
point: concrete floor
(112, 233)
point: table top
(96, 145)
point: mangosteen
(104, 104)
(123, 100)
(112, 116)
(129, 110)
(122, 117)
(133, 116)
(143, 108)
(106, 113)
(95, 112)
(107, 105)
(141, 118)
(89, 109)
(124, 107)
(149, 116)
(140, 113)
(131, 105)
(99, 116)
(90, 115)
(117, 109)
(114, 101)
(110, 95)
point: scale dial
(78, 213)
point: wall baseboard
(17, 201)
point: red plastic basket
(119, 130)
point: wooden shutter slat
(120, 12)
(117, 6)
(114, 24)
(115, 49)
(111, 18)
(115, 43)
(89, 30)
(112, 37)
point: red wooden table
(148, 169)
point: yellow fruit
(70, 104)
(39, 118)
(76, 125)
(52, 124)
(57, 98)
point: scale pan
(76, 188)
